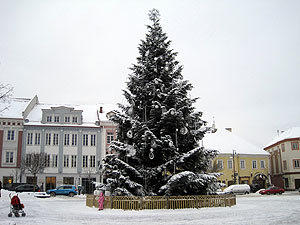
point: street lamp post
(234, 174)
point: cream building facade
(239, 161)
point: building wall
(243, 167)
(64, 149)
(11, 133)
(285, 171)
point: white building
(75, 138)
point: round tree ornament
(129, 134)
(151, 155)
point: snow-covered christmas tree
(157, 152)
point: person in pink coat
(101, 201)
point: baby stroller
(16, 207)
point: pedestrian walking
(101, 201)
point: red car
(272, 190)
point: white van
(237, 189)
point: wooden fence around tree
(162, 202)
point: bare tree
(17, 174)
(5, 92)
(35, 163)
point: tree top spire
(154, 15)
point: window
(9, 157)
(254, 164)
(93, 139)
(110, 137)
(56, 119)
(55, 139)
(74, 119)
(67, 140)
(242, 164)
(10, 135)
(283, 147)
(74, 139)
(296, 163)
(28, 159)
(220, 164)
(49, 119)
(48, 139)
(262, 164)
(85, 161)
(66, 160)
(67, 119)
(68, 180)
(92, 161)
(54, 160)
(295, 145)
(29, 138)
(47, 159)
(85, 140)
(229, 164)
(284, 165)
(73, 160)
(37, 139)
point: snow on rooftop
(89, 112)
(293, 132)
(225, 142)
(15, 108)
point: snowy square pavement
(250, 209)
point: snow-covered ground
(250, 209)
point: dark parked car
(12, 186)
(27, 188)
(63, 190)
(272, 190)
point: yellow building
(239, 161)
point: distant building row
(239, 161)
(75, 138)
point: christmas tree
(157, 152)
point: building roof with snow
(225, 142)
(291, 133)
(14, 108)
(90, 113)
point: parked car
(272, 190)
(27, 188)
(237, 189)
(63, 190)
(41, 195)
(12, 186)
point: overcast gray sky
(243, 57)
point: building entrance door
(88, 185)
(50, 183)
(297, 183)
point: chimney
(101, 109)
(229, 129)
